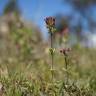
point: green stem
(66, 67)
(52, 56)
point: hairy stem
(52, 55)
(66, 67)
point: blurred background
(24, 39)
(79, 15)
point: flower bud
(50, 21)
(65, 50)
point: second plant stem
(66, 67)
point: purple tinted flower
(50, 21)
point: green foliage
(12, 6)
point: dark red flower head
(50, 21)
(65, 50)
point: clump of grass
(26, 82)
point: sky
(37, 10)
